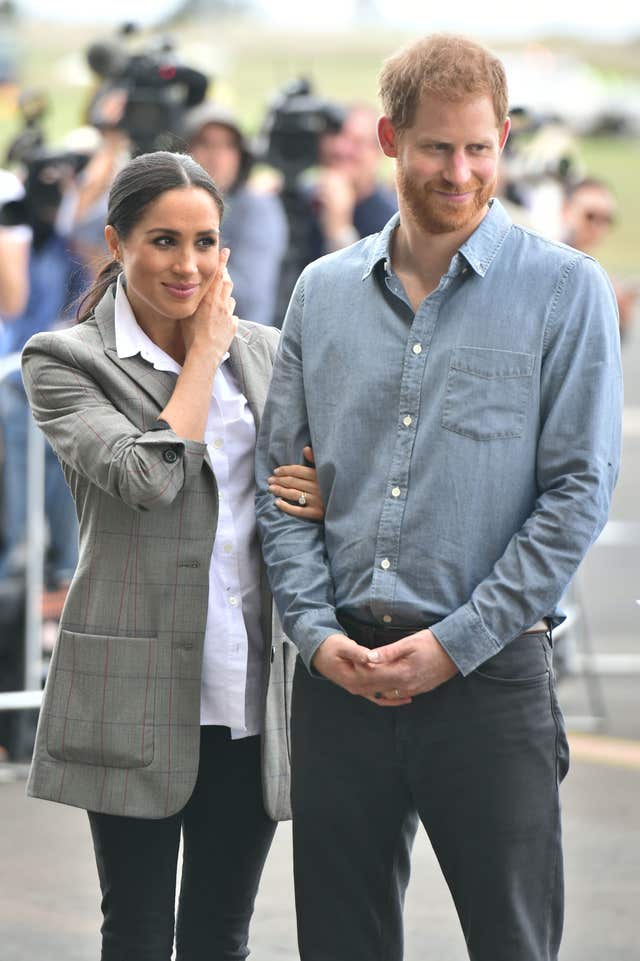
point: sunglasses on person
(598, 217)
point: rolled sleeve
(146, 469)
(577, 464)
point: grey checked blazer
(120, 722)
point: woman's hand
(207, 334)
(212, 326)
(296, 489)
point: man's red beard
(434, 214)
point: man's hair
(442, 65)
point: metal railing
(31, 696)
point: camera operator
(348, 200)
(15, 243)
(84, 205)
(254, 225)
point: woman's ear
(113, 241)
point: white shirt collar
(131, 338)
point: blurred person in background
(589, 213)
(348, 199)
(255, 225)
(15, 245)
(48, 289)
(84, 205)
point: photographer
(255, 226)
(348, 200)
(42, 290)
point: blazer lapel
(158, 384)
(252, 367)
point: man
(348, 200)
(589, 214)
(254, 225)
(459, 378)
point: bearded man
(459, 379)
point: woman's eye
(207, 241)
(163, 241)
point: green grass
(249, 62)
(618, 162)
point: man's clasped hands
(389, 676)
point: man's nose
(457, 168)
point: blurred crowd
(313, 181)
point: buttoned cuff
(175, 448)
(310, 630)
(465, 639)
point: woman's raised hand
(296, 489)
(213, 325)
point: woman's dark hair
(137, 185)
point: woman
(154, 703)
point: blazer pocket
(487, 392)
(101, 709)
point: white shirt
(232, 669)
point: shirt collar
(479, 250)
(131, 338)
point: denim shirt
(466, 452)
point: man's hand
(347, 664)
(413, 665)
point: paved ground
(49, 906)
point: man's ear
(505, 133)
(387, 137)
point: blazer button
(169, 455)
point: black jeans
(479, 761)
(226, 838)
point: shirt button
(227, 548)
(387, 618)
(385, 564)
(417, 348)
(169, 455)
(233, 600)
(395, 492)
(408, 420)
(218, 442)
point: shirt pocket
(487, 392)
(102, 705)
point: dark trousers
(478, 760)
(226, 838)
